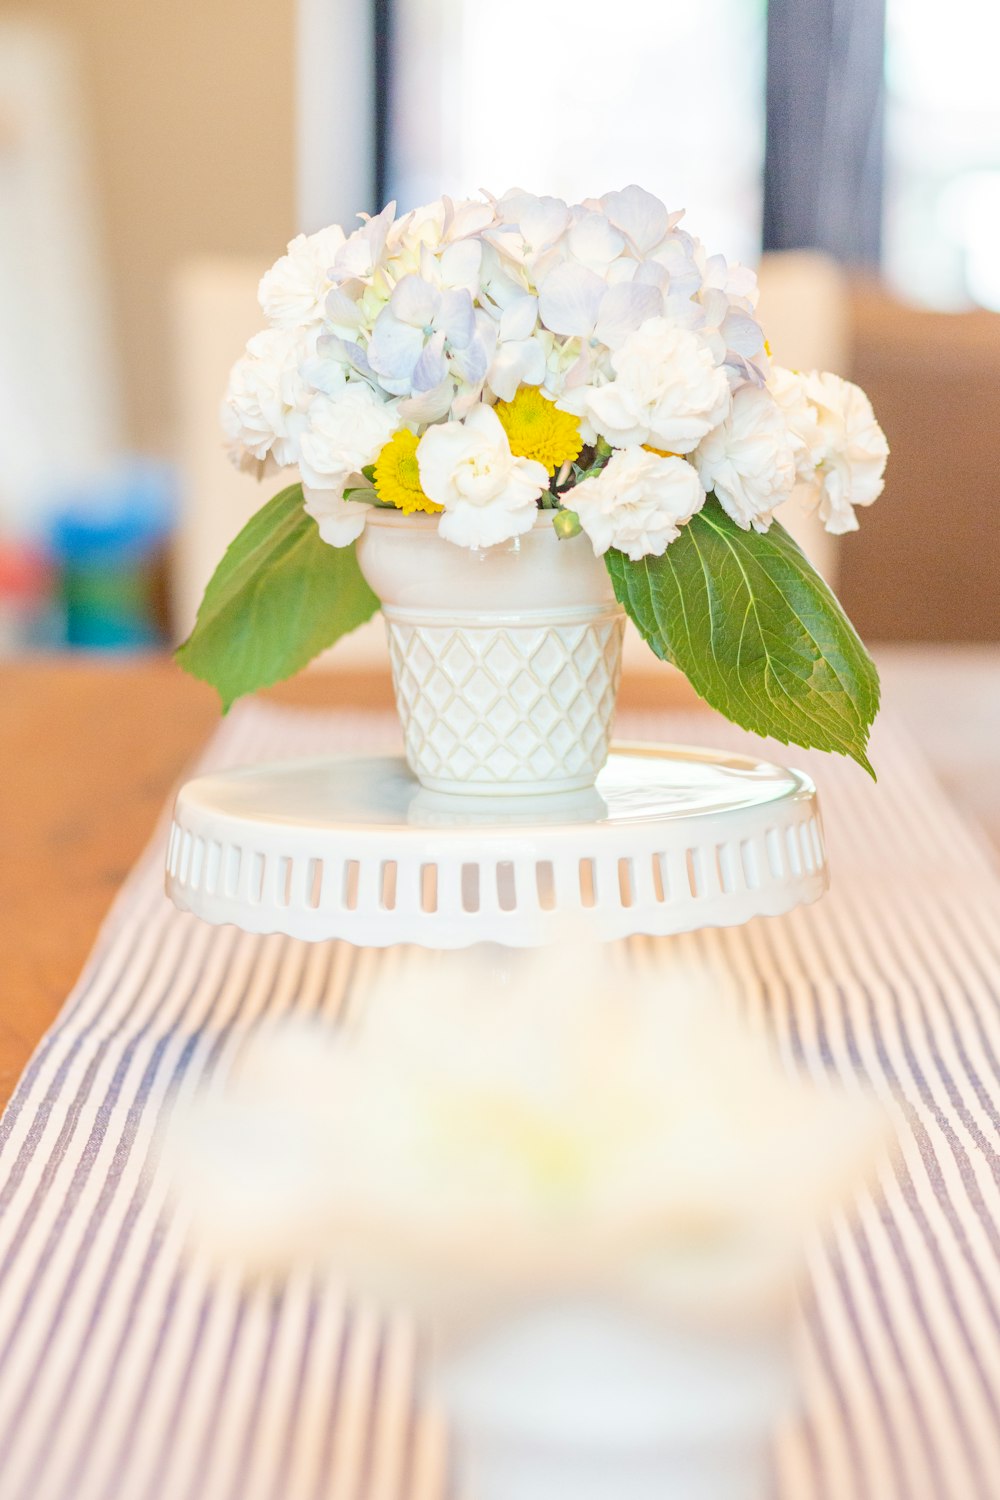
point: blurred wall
(191, 108)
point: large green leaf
(756, 631)
(279, 596)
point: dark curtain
(382, 33)
(825, 96)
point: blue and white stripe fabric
(128, 1373)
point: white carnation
(789, 390)
(340, 521)
(292, 293)
(852, 450)
(748, 459)
(668, 391)
(263, 412)
(345, 432)
(637, 503)
(488, 495)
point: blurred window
(942, 186)
(575, 97)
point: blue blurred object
(106, 537)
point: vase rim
(382, 516)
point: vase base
(552, 788)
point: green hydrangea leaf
(756, 631)
(278, 598)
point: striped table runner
(128, 1374)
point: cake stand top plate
(669, 840)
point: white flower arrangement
(480, 362)
(608, 309)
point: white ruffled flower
(345, 432)
(667, 392)
(292, 293)
(488, 495)
(789, 391)
(853, 450)
(340, 521)
(264, 408)
(748, 460)
(637, 503)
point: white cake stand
(668, 841)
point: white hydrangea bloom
(293, 292)
(641, 217)
(433, 227)
(747, 460)
(577, 302)
(264, 408)
(488, 495)
(667, 391)
(529, 232)
(853, 450)
(637, 503)
(422, 335)
(345, 432)
(362, 254)
(519, 355)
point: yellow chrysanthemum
(537, 429)
(397, 476)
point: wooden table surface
(91, 748)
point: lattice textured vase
(506, 662)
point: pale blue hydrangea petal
(415, 301)
(570, 299)
(623, 308)
(519, 318)
(639, 215)
(431, 368)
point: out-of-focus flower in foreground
(470, 1147)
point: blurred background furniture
(923, 567)
(60, 416)
(182, 181)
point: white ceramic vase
(584, 1402)
(505, 661)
